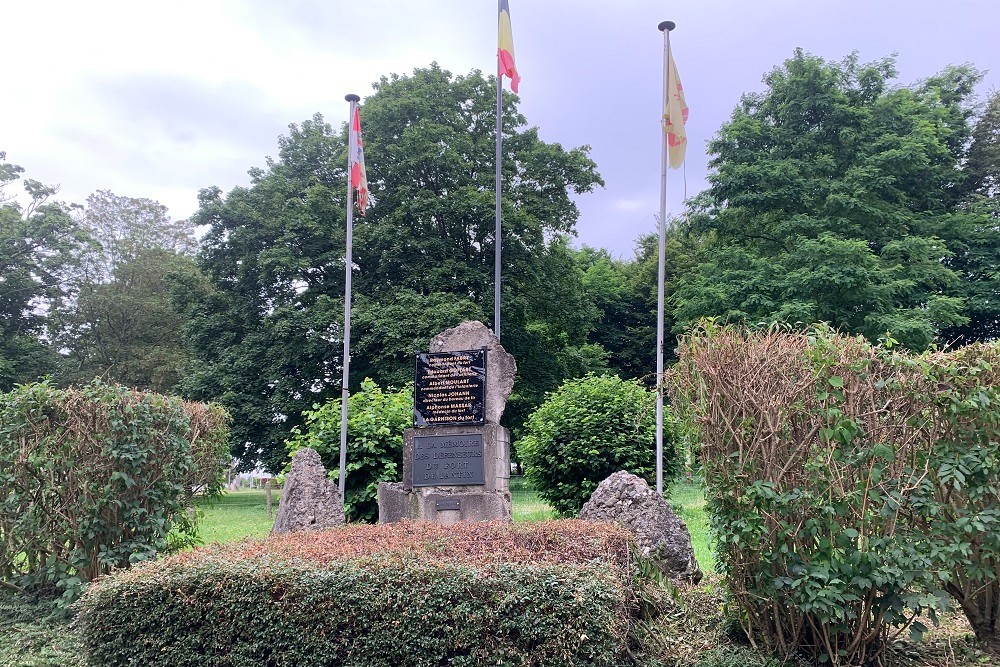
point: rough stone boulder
(660, 534)
(310, 500)
(500, 365)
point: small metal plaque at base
(444, 505)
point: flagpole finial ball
(352, 98)
(667, 25)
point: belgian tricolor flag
(505, 49)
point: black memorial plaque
(448, 460)
(450, 388)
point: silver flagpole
(497, 233)
(348, 263)
(665, 27)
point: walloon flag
(675, 114)
(358, 182)
(505, 67)
(673, 143)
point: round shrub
(375, 423)
(589, 428)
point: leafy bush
(208, 438)
(37, 632)
(98, 478)
(802, 478)
(955, 497)
(406, 594)
(375, 424)
(829, 463)
(588, 429)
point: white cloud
(630, 205)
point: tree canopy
(38, 251)
(122, 325)
(833, 198)
(975, 231)
(836, 195)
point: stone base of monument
(450, 474)
(443, 508)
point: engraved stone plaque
(450, 388)
(448, 460)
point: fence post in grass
(267, 486)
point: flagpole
(497, 233)
(665, 27)
(348, 264)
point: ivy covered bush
(547, 594)
(852, 487)
(375, 423)
(588, 429)
(98, 478)
(955, 493)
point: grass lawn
(688, 501)
(237, 515)
(526, 505)
(241, 514)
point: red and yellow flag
(675, 115)
(505, 49)
(359, 177)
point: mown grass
(688, 500)
(526, 505)
(242, 514)
(236, 516)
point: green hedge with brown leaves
(97, 478)
(852, 487)
(555, 593)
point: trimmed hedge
(852, 487)
(97, 478)
(428, 597)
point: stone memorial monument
(456, 458)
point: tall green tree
(267, 325)
(831, 200)
(126, 227)
(388, 330)
(265, 321)
(39, 245)
(430, 139)
(974, 232)
(983, 159)
(122, 325)
(624, 294)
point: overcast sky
(159, 100)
